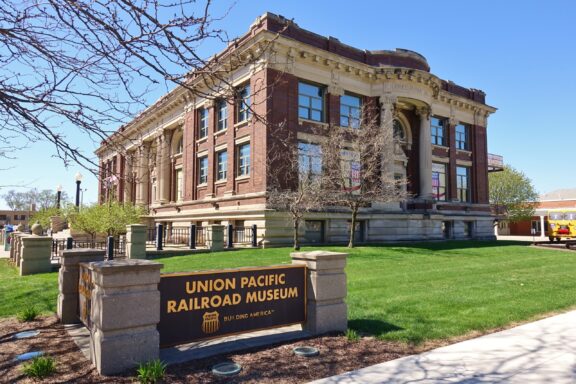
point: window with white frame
(439, 181)
(203, 170)
(202, 123)
(243, 104)
(222, 115)
(243, 155)
(350, 111)
(310, 101)
(438, 131)
(222, 165)
(463, 183)
(462, 134)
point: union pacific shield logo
(210, 322)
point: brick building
(202, 159)
(558, 199)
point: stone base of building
(374, 225)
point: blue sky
(521, 53)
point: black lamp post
(58, 195)
(78, 181)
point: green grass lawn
(410, 293)
(17, 293)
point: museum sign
(202, 305)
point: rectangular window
(462, 137)
(202, 123)
(179, 184)
(243, 160)
(463, 183)
(243, 104)
(309, 160)
(310, 102)
(438, 131)
(222, 161)
(222, 108)
(350, 111)
(351, 169)
(439, 181)
(203, 170)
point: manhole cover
(226, 369)
(29, 355)
(306, 351)
(26, 334)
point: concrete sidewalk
(539, 352)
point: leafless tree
(295, 179)
(358, 165)
(79, 66)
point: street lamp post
(78, 181)
(58, 195)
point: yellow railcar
(561, 224)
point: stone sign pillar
(326, 290)
(34, 254)
(215, 237)
(136, 241)
(125, 304)
(67, 307)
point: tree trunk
(353, 226)
(296, 241)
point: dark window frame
(308, 107)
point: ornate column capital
(423, 112)
(335, 90)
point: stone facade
(170, 158)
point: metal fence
(119, 248)
(182, 236)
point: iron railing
(119, 250)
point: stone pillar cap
(121, 266)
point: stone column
(387, 103)
(124, 314)
(163, 166)
(127, 177)
(136, 241)
(425, 154)
(542, 228)
(142, 174)
(67, 307)
(215, 237)
(35, 254)
(326, 290)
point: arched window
(399, 132)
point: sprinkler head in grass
(226, 369)
(306, 351)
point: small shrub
(28, 314)
(151, 371)
(352, 335)
(39, 367)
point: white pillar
(425, 145)
(127, 177)
(542, 229)
(142, 175)
(164, 168)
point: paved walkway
(539, 352)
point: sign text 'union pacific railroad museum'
(199, 156)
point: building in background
(8, 217)
(558, 199)
(201, 158)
